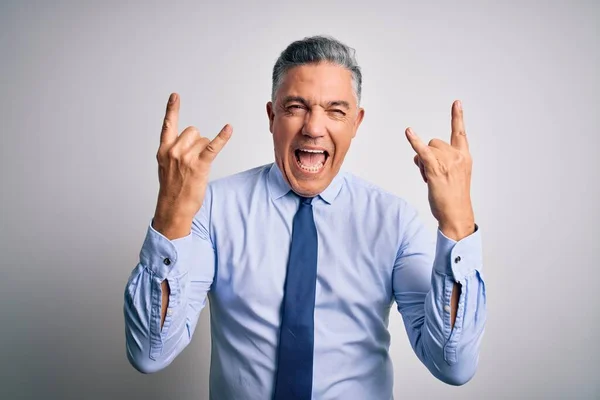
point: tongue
(311, 159)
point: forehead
(318, 82)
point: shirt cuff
(458, 259)
(159, 254)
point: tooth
(314, 168)
(312, 151)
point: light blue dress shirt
(373, 250)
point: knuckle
(166, 125)
(435, 142)
(188, 160)
(210, 148)
(191, 135)
(161, 154)
(201, 144)
(463, 158)
(173, 153)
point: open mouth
(311, 160)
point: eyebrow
(300, 99)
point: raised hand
(446, 168)
(184, 163)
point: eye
(337, 111)
(294, 109)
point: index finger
(422, 150)
(211, 151)
(169, 132)
(458, 138)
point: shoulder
(378, 202)
(240, 181)
(366, 190)
(232, 191)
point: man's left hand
(446, 168)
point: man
(302, 262)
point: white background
(83, 88)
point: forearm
(147, 341)
(454, 311)
(456, 232)
(166, 291)
(164, 296)
(444, 308)
(171, 229)
(454, 303)
(450, 350)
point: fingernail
(410, 132)
(172, 98)
(459, 105)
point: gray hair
(313, 50)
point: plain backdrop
(83, 87)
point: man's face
(313, 121)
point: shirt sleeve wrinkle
(423, 286)
(188, 265)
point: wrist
(172, 227)
(457, 231)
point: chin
(308, 189)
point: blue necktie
(296, 337)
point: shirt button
(169, 311)
(447, 308)
(457, 259)
(167, 261)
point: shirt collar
(278, 187)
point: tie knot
(306, 200)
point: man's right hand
(183, 169)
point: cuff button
(167, 261)
(457, 259)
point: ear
(271, 115)
(358, 121)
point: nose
(314, 124)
